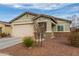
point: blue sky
(61, 10)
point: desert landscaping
(58, 46)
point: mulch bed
(51, 47)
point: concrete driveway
(7, 42)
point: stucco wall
(5, 29)
(26, 18)
(64, 23)
(8, 29)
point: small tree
(74, 36)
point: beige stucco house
(5, 27)
(23, 25)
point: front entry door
(42, 27)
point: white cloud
(69, 16)
(47, 6)
(17, 6)
(43, 6)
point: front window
(60, 28)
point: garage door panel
(22, 30)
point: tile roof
(40, 15)
(6, 23)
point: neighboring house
(5, 27)
(23, 25)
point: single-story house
(23, 25)
(5, 27)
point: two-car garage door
(22, 30)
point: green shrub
(0, 34)
(4, 35)
(28, 41)
(74, 39)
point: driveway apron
(7, 42)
